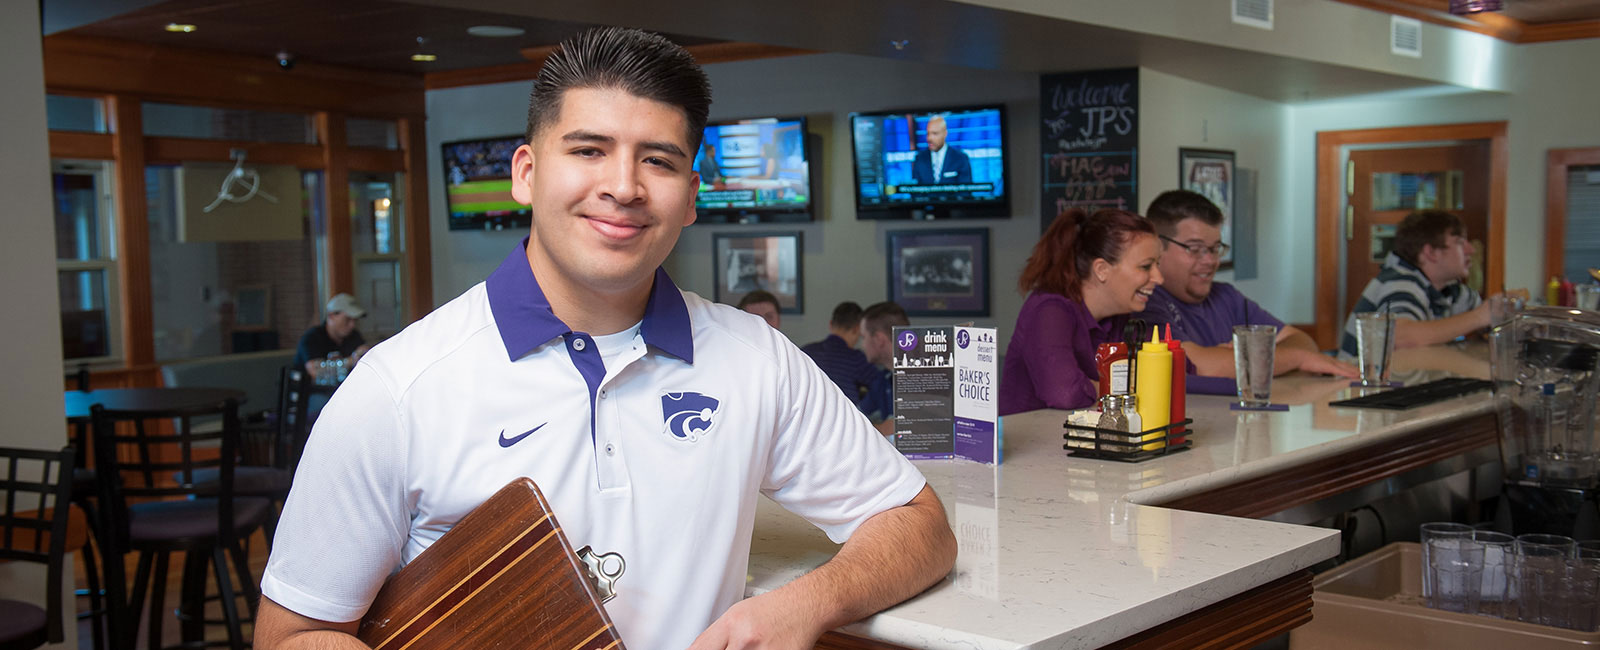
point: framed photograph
(1210, 172)
(940, 272)
(771, 261)
(252, 308)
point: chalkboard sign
(1088, 141)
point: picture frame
(252, 308)
(772, 261)
(940, 272)
(1210, 172)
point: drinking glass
(1253, 349)
(1452, 566)
(1432, 531)
(1374, 346)
(1541, 565)
(1587, 296)
(1496, 592)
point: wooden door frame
(1555, 204)
(1330, 193)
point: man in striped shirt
(1421, 284)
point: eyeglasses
(1198, 249)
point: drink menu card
(945, 389)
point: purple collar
(523, 315)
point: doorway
(1572, 213)
(1336, 186)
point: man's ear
(522, 175)
(694, 195)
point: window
(184, 121)
(74, 113)
(86, 269)
(371, 134)
(377, 239)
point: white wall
(30, 351)
(1175, 112)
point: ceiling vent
(1405, 36)
(1255, 13)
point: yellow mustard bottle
(1153, 370)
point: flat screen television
(477, 184)
(754, 171)
(898, 176)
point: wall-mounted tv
(931, 163)
(754, 171)
(477, 184)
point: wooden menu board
(503, 577)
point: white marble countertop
(1058, 552)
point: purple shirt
(1209, 323)
(1050, 358)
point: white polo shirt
(656, 452)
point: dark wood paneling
(336, 201)
(133, 230)
(1242, 621)
(80, 146)
(83, 64)
(1318, 479)
(376, 160)
(418, 243)
(1560, 31)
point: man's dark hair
(1173, 206)
(1425, 228)
(846, 316)
(884, 317)
(759, 296)
(630, 60)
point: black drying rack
(1111, 444)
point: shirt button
(602, 393)
(578, 344)
(611, 450)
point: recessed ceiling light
(180, 27)
(495, 31)
(424, 57)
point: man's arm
(1417, 333)
(1297, 351)
(894, 555)
(278, 628)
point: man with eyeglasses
(1202, 312)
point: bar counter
(1062, 552)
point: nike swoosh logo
(507, 442)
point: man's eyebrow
(664, 146)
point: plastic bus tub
(1376, 602)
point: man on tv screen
(940, 163)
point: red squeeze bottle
(1180, 367)
(1569, 294)
(1111, 358)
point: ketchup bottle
(1111, 358)
(1180, 367)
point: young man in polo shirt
(1420, 283)
(1202, 311)
(838, 357)
(651, 418)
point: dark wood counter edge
(1238, 622)
(1293, 486)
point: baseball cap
(346, 304)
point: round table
(144, 399)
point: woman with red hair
(1086, 274)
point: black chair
(207, 522)
(37, 489)
(268, 452)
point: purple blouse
(1050, 358)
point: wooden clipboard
(504, 577)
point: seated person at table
(336, 336)
(838, 357)
(1420, 283)
(763, 304)
(1202, 312)
(877, 343)
(1086, 274)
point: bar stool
(35, 530)
(139, 454)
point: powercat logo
(688, 416)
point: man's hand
(761, 622)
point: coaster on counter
(1235, 406)
(1390, 384)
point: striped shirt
(1403, 290)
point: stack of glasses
(1543, 579)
